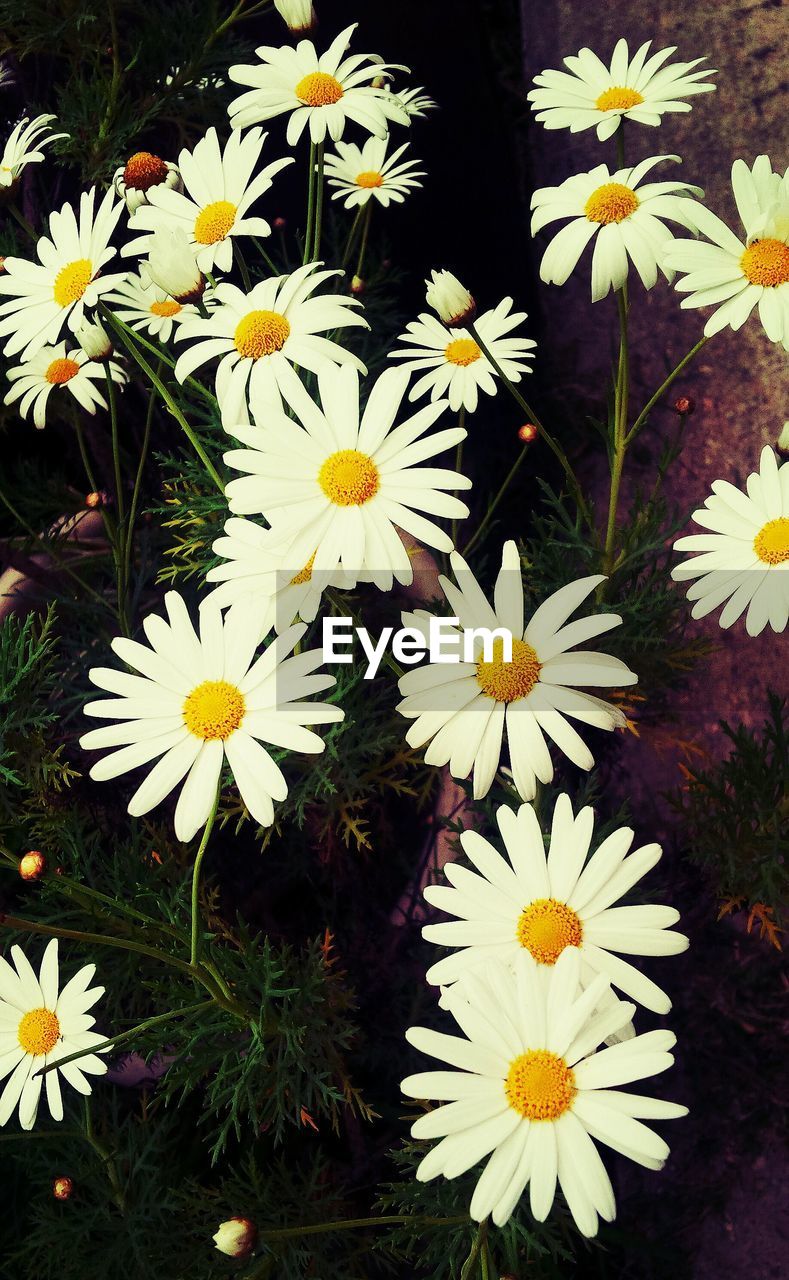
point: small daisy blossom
(745, 556)
(415, 102)
(201, 700)
(260, 336)
(257, 575)
(25, 146)
(55, 369)
(141, 174)
(627, 220)
(455, 363)
(219, 190)
(366, 173)
(463, 708)
(320, 92)
(70, 278)
(338, 484)
(532, 1088)
(590, 95)
(734, 275)
(149, 309)
(545, 903)
(450, 299)
(39, 1025)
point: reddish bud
(62, 1188)
(527, 432)
(684, 406)
(280, 223)
(358, 285)
(33, 865)
(95, 500)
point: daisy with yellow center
(219, 188)
(737, 275)
(40, 1024)
(591, 95)
(451, 362)
(360, 174)
(70, 278)
(56, 369)
(260, 335)
(530, 1089)
(625, 217)
(142, 173)
(463, 710)
(319, 92)
(546, 902)
(744, 558)
(201, 700)
(144, 306)
(339, 484)
(25, 146)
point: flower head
(94, 340)
(142, 174)
(55, 370)
(415, 102)
(143, 305)
(236, 1237)
(365, 173)
(25, 146)
(451, 300)
(172, 266)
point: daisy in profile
(42, 298)
(734, 274)
(260, 335)
(147, 308)
(25, 146)
(338, 484)
(219, 190)
(463, 708)
(365, 173)
(543, 904)
(141, 174)
(415, 102)
(453, 364)
(625, 219)
(745, 555)
(200, 701)
(39, 1024)
(319, 92)
(58, 369)
(531, 1087)
(257, 575)
(589, 95)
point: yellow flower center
(214, 222)
(38, 1032)
(546, 927)
(613, 202)
(72, 281)
(214, 710)
(168, 308)
(261, 333)
(369, 179)
(509, 681)
(144, 170)
(618, 98)
(766, 262)
(305, 574)
(319, 90)
(771, 543)
(349, 478)
(462, 351)
(540, 1085)
(60, 371)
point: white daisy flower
(544, 904)
(450, 299)
(146, 307)
(201, 701)
(364, 173)
(39, 1025)
(25, 146)
(299, 16)
(455, 363)
(256, 576)
(55, 369)
(627, 219)
(219, 190)
(533, 1089)
(462, 708)
(415, 102)
(745, 559)
(260, 335)
(70, 278)
(320, 92)
(141, 174)
(735, 275)
(590, 95)
(339, 484)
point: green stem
(146, 440)
(513, 471)
(106, 1158)
(196, 877)
(477, 1246)
(316, 247)
(96, 939)
(368, 214)
(310, 230)
(123, 1036)
(242, 266)
(142, 341)
(620, 143)
(619, 440)
(110, 526)
(351, 1224)
(266, 256)
(346, 253)
(663, 388)
(120, 505)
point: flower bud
(33, 865)
(782, 443)
(2, 262)
(449, 299)
(172, 265)
(298, 15)
(280, 223)
(684, 406)
(63, 1188)
(357, 285)
(94, 340)
(527, 432)
(236, 1237)
(100, 498)
(142, 171)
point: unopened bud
(358, 285)
(100, 498)
(782, 443)
(280, 223)
(451, 301)
(236, 1237)
(684, 406)
(298, 15)
(527, 432)
(62, 1188)
(95, 341)
(33, 865)
(2, 262)
(172, 265)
